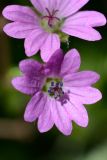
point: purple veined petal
(53, 5)
(50, 4)
(51, 44)
(71, 62)
(85, 95)
(18, 29)
(77, 112)
(54, 63)
(38, 4)
(26, 85)
(82, 32)
(86, 18)
(20, 14)
(41, 5)
(30, 67)
(70, 7)
(61, 118)
(35, 107)
(34, 41)
(81, 79)
(45, 121)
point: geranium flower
(58, 91)
(50, 22)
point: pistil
(51, 17)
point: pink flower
(59, 91)
(50, 22)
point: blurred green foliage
(84, 144)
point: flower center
(54, 88)
(52, 24)
(51, 17)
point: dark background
(22, 141)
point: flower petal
(26, 85)
(71, 62)
(30, 67)
(70, 7)
(51, 44)
(61, 118)
(41, 5)
(86, 18)
(77, 112)
(20, 14)
(81, 79)
(34, 41)
(85, 95)
(35, 107)
(54, 63)
(45, 121)
(19, 30)
(83, 32)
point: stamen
(56, 90)
(52, 83)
